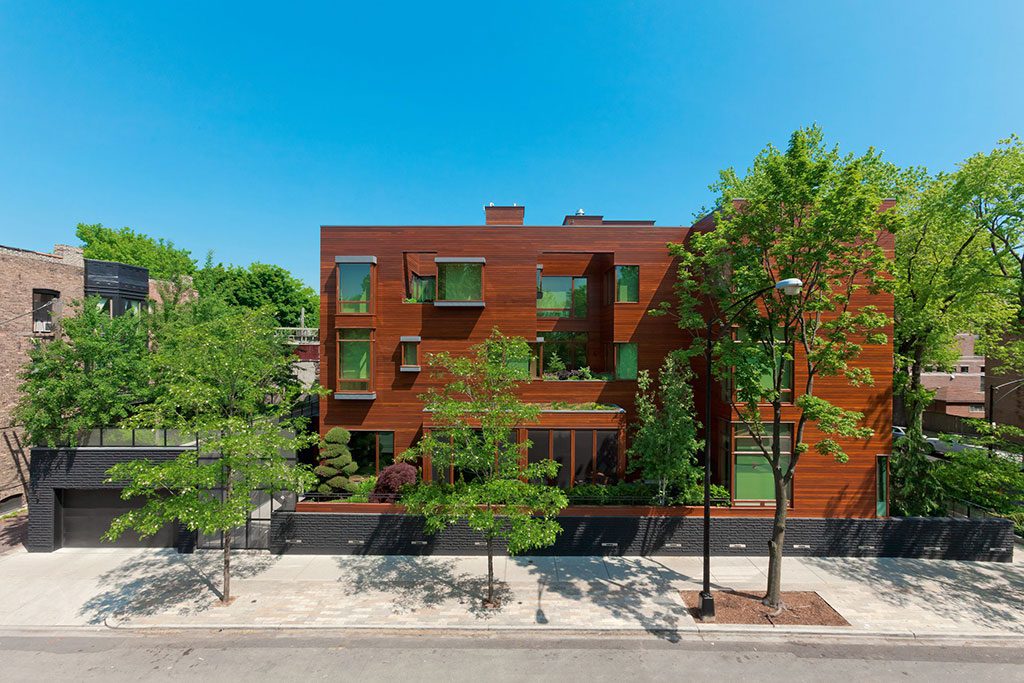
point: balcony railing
(301, 335)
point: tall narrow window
(42, 309)
(355, 360)
(460, 281)
(579, 297)
(625, 360)
(355, 283)
(627, 284)
(754, 480)
(410, 349)
(882, 486)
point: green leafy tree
(476, 411)
(336, 465)
(94, 374)
(664, 441)
(261, 285)
(805, 212)
(227, 378)
(163, 260)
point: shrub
(336, 465)
(363, 490)
(392, 479)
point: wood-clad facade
(399, 264)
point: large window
(372, 451)
(460, 281)
(586, 455)
(562, 296)
(754, 481)
(355, 360)
(355, 284)
(564, 351)
(627, 284)
(625, 360)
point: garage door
(87, 514)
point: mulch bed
(803, 608)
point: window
(562, 296)
(768, 377)
(586, 455)
(627, 284)
(105, 305)
(42, 309)
(355, 283)
(976, 408)
(564, 351)
(965, 368)
(625, 360)
(422, 288)
(882, 485)
(132, 307)
(753, 479)
(982, 369)
(372, 451)
(410, 349)
(355, 360)
(460, 281)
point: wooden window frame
(592, 473)
(370, 372)
(371, 303)
(405, 343)
(571, 310)
(441, 261)
(376, 445)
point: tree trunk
(226, 593)
(490, 571)
(773, 598)
(915, 406)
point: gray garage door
(87, 514)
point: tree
(94, 374)
(261, 285)
(162, 259)
(228, 379)
(809, 213)
(664, 441)
(476, 411)
(336, 465)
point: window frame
(733, 453)
(404, 344)
(615, 283)
(592, 471)
(371, 341)
(371, 301)
(43, 309)
(882, 486)
(376, 448)
(791, 390)
(442, 261)
(570, 311)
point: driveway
(160, 588)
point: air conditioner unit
(42, 326)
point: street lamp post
(789, 287)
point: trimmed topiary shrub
(336, 465)
(391, 480)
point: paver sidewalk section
(159, 588)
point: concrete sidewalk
(159, 588)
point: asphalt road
(295, 655)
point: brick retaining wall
(914, 537)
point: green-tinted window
(354, 281)
(627, 284)
(625, 361)
(410, 353)
(565, 351)
(754, 479)
(354, 360)
(555, 298)
(363, 446)
(767, 379)
(422, 288)
(882, 486)
(460, 281)
(579, 297)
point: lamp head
(791, 286)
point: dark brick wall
(79, 468)
(390, 534)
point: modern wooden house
(579, 292)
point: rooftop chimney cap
(581, 212)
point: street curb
(701, 631)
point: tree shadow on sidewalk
(163, 581)
(630, 588)
(988, 594)
(417, 582)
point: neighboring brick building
(29, 281)
(961, 391)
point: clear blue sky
(242, 128)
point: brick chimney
(504, 215)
